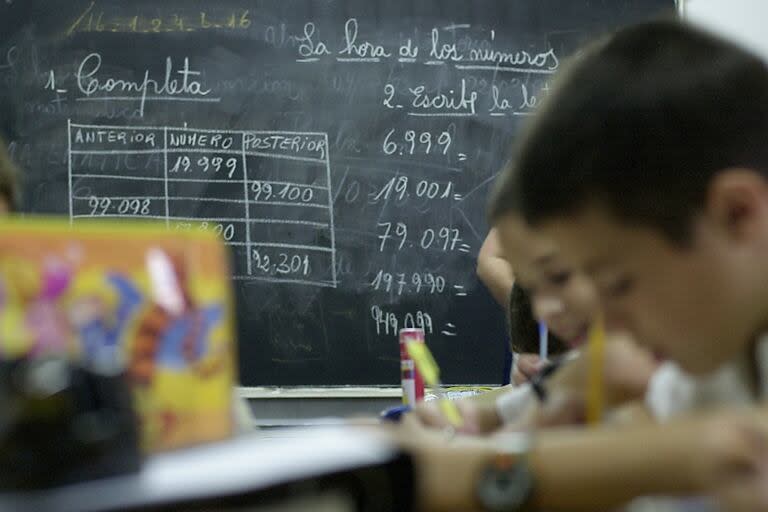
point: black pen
(537, 380)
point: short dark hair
(9, 179)
(639, 123)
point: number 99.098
(101, 206)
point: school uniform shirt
(511, 405)
(672, 392)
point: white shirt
(511, 405)
(672, 392)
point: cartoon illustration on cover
(145, 307)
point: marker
(427, 366)
(596, 354)
(394, 414)
(543, 341)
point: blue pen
(543, 341)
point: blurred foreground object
(63, 423)
(155, 304)
(325, 470)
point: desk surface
(244, 464)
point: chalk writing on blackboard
(177, 84)
(343, 150)
(278, 220)
(101, 20)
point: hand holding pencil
(429, 370)
(611, 370)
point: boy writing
(648, 165)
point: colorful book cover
(158, 303)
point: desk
(250, 465)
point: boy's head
(9, 189)
(649, 166)
(560, 296)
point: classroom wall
(741, 20)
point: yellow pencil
(596, 355)
(429, 370)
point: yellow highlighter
(427, 366)
(596, 355)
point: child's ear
(737, 201)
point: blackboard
(344, 149)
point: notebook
(153, 303)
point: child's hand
(627, 370)
(430, 415)
(562, 408)
(526, 366)
(740, 472)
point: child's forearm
(577, 470)
(631, 413)
(605, 468)
(494, 271)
